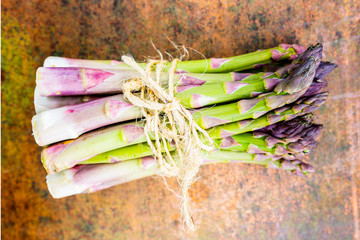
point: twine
(168, 122)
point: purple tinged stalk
(43, 104)
(73, 120)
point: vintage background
(231, 202)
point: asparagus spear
(324, 69)
(83, 81)
(69, 122)
(309, 59)
(212, 65)
(67, 154)
(91, 178)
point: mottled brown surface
(232, 201)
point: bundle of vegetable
(262, 118)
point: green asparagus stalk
(67, 154)
(212, 65)
(195, 96)
(91, 178)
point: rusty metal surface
(231, 201)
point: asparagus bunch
(256, 117)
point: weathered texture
(232, 201)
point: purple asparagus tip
(314, 51)
(284, 70)
(288, 129)
(319, 83)
(297, 167)
(296, 147)
(298, 173)
(313, 103)
(324, 69)
(316, 87)
(302, 72)
(313, 131)
(287, 165)
(307, 168)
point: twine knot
(168, 123)
(175, 104)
